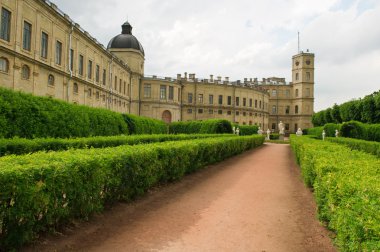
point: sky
(248, 38)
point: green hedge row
(43, 190)
(28, 116)
(245, 130)
(144, 125)
(212, 126)
(22, 146)
(357, 144)
(274, 136)
(358, 130)
(347, 190)
(316, 131)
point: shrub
(316, 131)
(245, 130)
(330, 128)
(43, 190)
(354, 129)
(346, 188)
(144, 125)
(357, 144)
(212, 126)
(28, 116)
(274, 136)
(22, 146)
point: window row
(229, 100)
(220, 112)
(287, 109)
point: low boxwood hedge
(347, 190)
(211, 126)
(22, 146)
(246, 130)
(44, 190)
(357, 144)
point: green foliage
(366, 110)
(245, 130)
(357, 144)
(212, 126)
(316, 131)
(354, 129)
(144, 125)
(28, 116)
(347, 190)
(44, 190)
(22, 146)
(330, 128)
(274, 136)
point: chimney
(245, 80)
(185, 75)
(178, 76)
(219, 78)
(250, 79)
(227, 78)
(211, 78)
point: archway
(167, 116)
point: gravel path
(252, 202)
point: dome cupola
(125, 40)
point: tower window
(296, 92)
(297, 76)
(307, 75)
(307, 92)
(296, 109)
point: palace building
(44, 52)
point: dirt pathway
(252, 202)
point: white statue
(237, 131)
(260, 131)
(268, 134)
(299, 132)
(233, 130)
(281, 128)
(336, 133)
(323, 135)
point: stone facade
(44, 52)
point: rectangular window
(162, 92)
(244, 113)
(97, 73)
(190, 97)
(5, 28)
(124, 87)
(296, 76)
(115, 83)
(120, 84)
(287, 93)
(189, 111)
(244, 102)
(27, 36)
(58, 53)
(211, 99)
(104, 76)
(147, 90)
(200, 111)
(237, 101)
(260, 104)
(80, 67)
(250, 103)
(220, 112)
(211, 111)
(200, 98)
(307, 92)
(229, 100)
(274, 109)
(237, 113)
(274, 92)
(71, 59)
(296, 92)
(273, 126)
(220, 100)
(286, 126)
(44, 45)
(171, 93)
(229, 112)
(307, 76)
(89, 69)
(255, 103)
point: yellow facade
(43, 52)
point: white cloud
(247, 38)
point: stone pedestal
(281, 137)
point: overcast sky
(248, 38)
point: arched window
(75, 88)
(4, 65)
(25, 72)
(51, 80)
(296, 109)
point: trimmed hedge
(316, 131)
(274, 136)
(22, 146)
(28, 116)
(357, 144)
(44, 190)
(358, 130)
(330, 128)
(245, 130)
(144, 125)
(347, 190)
(212, 126)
